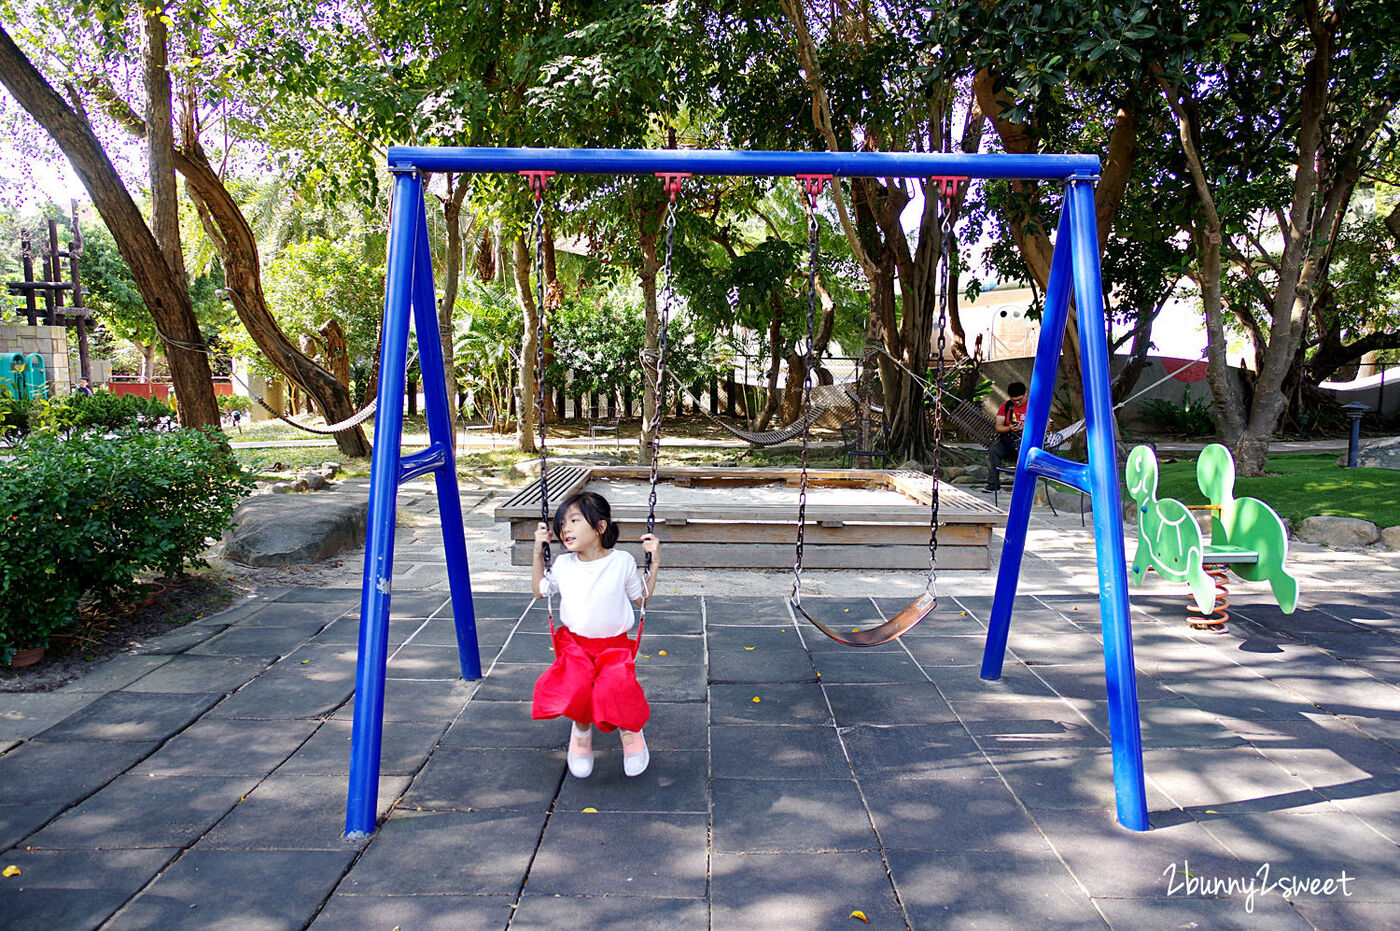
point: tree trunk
(226, 226)
(166, 298)
(451, 278)
(525, 419)
(775, 344)
(337, 351)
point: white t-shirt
(595, 597)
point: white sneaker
(580, 754)
(635, 763)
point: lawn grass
(1299, 486)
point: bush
(80, 517)
(79, 413)
(228, 403)
(1190, 418)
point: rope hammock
(825, 398)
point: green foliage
(484, 350)
(228, 403)
(1191, 417)
(82, 517)
(79, 413)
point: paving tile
(1110, 861)
(646, 854)
(66, 771)
(990, 889)
(346, 630)
(495, 605)
(791, 816)
(200, 674)
(177, 640)
(315, 660)
(915, 751)
(7, 744)
(1240, 777)
(802, 891)
(863, 668)
(226, 747)
(343, 597)
(131, 715)
(675, 781)
(950, 815)
(434, 701)
(510, 682)
(425, 662)
(447, 852)
(502, 724)
(778, 703)
(283, 698)
(117, 672)
(256, 642)
(427, 912)
(1086, 680)
(1313, 845)
(1374, 799)
(549, 912)
(289, 812)
(456, 779)
(19, 821)
(417, 604)
(146, 811)
(254, 889)
(747, 612)
(1016, 683)
(404, 747)
(1226, 912)
(308, 616)
(1004, 725)
(758, 751)
(905, 703)
(1067, 778)
(678, 726)
(491, 633)
(1174, 723)
(74, 888)
(945, 651)
(1343, 914)
(24, 714)
(672, 683)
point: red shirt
(1013, 412)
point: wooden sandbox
(747, 518)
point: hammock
(825, 398)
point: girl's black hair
(595, 509)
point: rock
(331, 467)
(282, 488)
(910, 465)
(301, 484)
(1338, 531)
(1068, 502)
(966, 480)
(952, 472)
(281, 531)
(315, 481)
(1377, 454)
(1390, 536)
(979, 472)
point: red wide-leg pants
(593, 681)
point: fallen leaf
(10, 871)
(847, 610)
(962, 614)
(590, 811)
(861, 915)
(662, 653)
(305, 661)
(756, 699)
(749, 648)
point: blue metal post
(440, 436)
(1123, 723)
(1042, 392)
(367, 732)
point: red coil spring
(1219, 614)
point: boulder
(282, 488)
(1377, 454)
(333, 468)
(1338, 531)
(296, 530)
(315, 481)
(910, 465)
(1390, 536)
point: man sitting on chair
(1011, 416)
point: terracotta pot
(26, 657)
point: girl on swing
(593, 680)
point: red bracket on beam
(813, 184)
(671, 182)
(539, 180)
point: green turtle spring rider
(1246, 536)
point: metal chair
(865, 438)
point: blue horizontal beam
(713, 162)
(422, 462)
(1058, 469)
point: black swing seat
(916, 611)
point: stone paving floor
(201, 783)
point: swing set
(1075, 264)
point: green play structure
(1245, 535)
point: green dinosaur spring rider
(1246, 536)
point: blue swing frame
(409, 295)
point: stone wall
(51, 342)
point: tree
(162, 284)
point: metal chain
(664, 326)
(813, 188)
(943, 282)
(538, 231)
